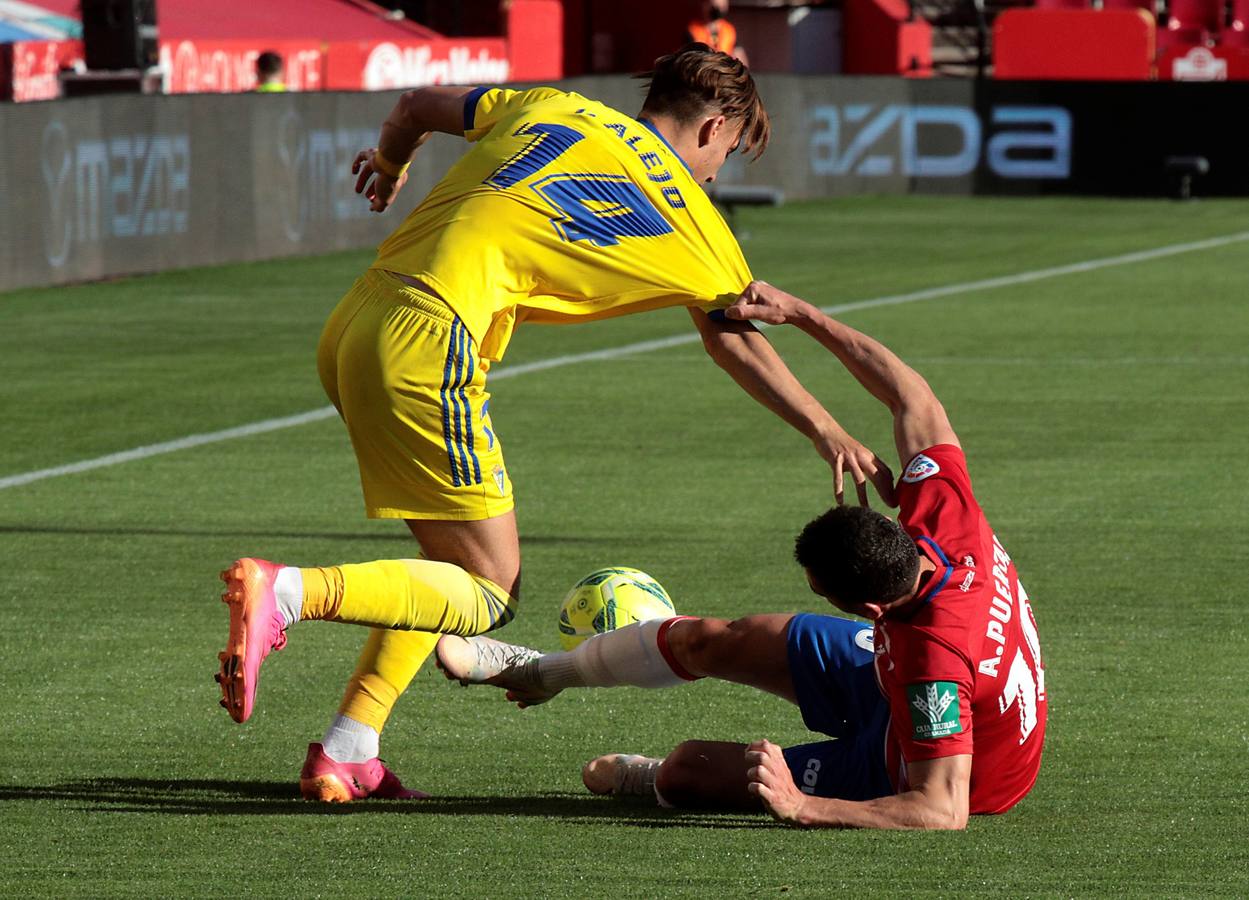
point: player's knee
(511, 582)
(505, 582)
(701, 646)
(497, 607)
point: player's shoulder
(935, 483)
(946, 462)
(922, 646)
(486, 107)
(544, 97)
(553, 96)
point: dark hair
(697, 80)
(858, 556)
(268, 63)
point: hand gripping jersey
(565, 209)
(962, 672)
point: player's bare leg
(753, 650)
(706, 775)
(486, 547)
(696, 775)
(656, 653)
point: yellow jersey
(565, 209)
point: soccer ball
(609, 599)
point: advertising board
(96, 187)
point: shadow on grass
(399, 537)
(208, 797)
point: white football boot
(622, 774)
(483, 660)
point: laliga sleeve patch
(920, 468)
(934, 710)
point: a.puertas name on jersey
(999, 610)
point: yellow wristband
(386, 167)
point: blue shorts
(830, 662)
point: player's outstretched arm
(382, 170)
(919, 419)
(937, 798)
(749, 358)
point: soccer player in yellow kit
(564, 210)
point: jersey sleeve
(930, 699)
(485, 107)
(718, 273)
(934, 492)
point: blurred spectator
(715, 30)
(269, 73)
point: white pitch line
(183, 443)
(326, 412)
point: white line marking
(316, 415)
(1096, 362)
(193, 440)
(1091, 265)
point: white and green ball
(609, 599)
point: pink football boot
(256, 627)
(333, 782)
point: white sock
(349, 741)
(288, 591)
(628, 655)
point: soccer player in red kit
(937, 708)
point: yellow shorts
(403, 372)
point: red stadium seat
(1237, 33)
(1190, 23)
(1073, 44)
(1149, 6)
(1062, 4)
(1188, 14)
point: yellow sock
(409, 603)
(407, 594)
(388, 663)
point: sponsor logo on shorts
(934, 709)
(921, 467)
(865, 641)
(500, 478)
(810, 776)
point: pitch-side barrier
(96, 187)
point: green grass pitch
(1106, 417)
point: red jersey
(962, 671)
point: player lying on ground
(946, 720)
(565, 210)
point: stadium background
(113, 184)
(1086, 331)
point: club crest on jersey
(920, 468)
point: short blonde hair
(697, 80)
